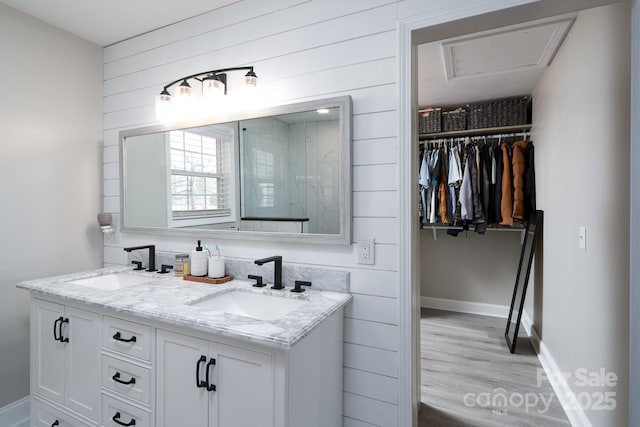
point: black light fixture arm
(198, 76)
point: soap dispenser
(199, 261)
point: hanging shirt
(455, 172)
(424, 170)
(466, 197)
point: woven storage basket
(454, 120)
(498, 113)
(430, 120)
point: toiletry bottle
(199, 261)
(181, 265)
(216, 265)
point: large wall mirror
(280, 173)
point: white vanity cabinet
(205, 383)
(66, 351)
(96, 365)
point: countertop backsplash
(322, 279)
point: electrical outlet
(366, 251)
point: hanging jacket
(506, 204)
(519, 168)
(478, 212)
(443, 191)
(529, 183)
(497, 196)
(487, 199)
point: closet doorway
(471, 272)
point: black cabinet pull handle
(55, 329)
(210, 387)
(116, 419)
(118, 337)
(116, 378)
(55, 423)
(62, 339)
(200, 383)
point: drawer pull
(116, 419)
(116, 378)
(118, 337)
(210, 387)
(63, 339)
(199, 382)
(55, 423)
(55, 331)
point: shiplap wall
(302, 50)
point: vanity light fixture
(213, 85)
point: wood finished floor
(466, 368)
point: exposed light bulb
(184, 102)
(212, 87)
(184, 89)
(163, 106)
(251, 80)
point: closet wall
(581, 128)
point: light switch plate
(582, 238)
(366, 251)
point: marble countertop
(168, 298)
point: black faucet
(152, 255)
(277, 270)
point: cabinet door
(244, 388)
(47, 363)
(179, 400)
(82, 362)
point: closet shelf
(521, 227)
(475, 132)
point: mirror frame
(343, 238)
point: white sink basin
(250, 304)
(110, 282)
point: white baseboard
(15, 414)
(577, 417)
(484, 309)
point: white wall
(302, 50)
(50, 154)
(581, 129)
(470, 267)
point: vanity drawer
(44, 415)
(130, 338)
(116, 413)
(126, 379)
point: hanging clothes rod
(440, 140)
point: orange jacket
(519, 169)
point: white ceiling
(110, 21)
(491, 64)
